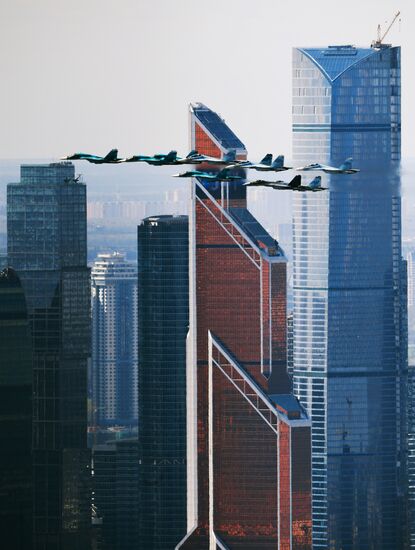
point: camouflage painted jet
(293, 185)
(223, 175)
(169, 159)
(110, 158)
(229, 158)
(345, 168)
(267, 165)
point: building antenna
(381, 37)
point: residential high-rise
(248, 437)
(46, 227)
(16, 486)
(349, 344)
(114, 341)
(163, 244)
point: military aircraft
(266, 164)
(110, 158)
(345, 168)
(229, 158)
(169, 159)
(293, 185)
(222, 175)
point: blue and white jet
(267, 164)
(345, 168)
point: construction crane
(379, 42)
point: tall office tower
(47, 248)
(163, 243)
(115, 498)
(349, 350)
(411, 455)
(114, 340)
(248, 437)
(15, 416)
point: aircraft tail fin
(295, 182)
(347, 164)
(230, 156)
(267, 160)
(278, 162)
(315, 183)
(172, 155)
(112, 155)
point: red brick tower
(248, 437)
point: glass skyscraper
(16, 486)
(114, 340)
(349, 343)
(163, 283)
(46, 226)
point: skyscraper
(115, 500)
(349, 349)
(163, 244)
(114, 340)
(248, 437)
(16, 486)
(46, 227)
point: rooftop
(216, 126)
(334, 60)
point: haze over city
(96, 74)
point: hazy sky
(90, 75)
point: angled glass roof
(217, 127)
(255, 230)
(334, 60)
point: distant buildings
(349, 339)
(16, 485)
(47, 249)
(163, 245)
(174, 202)
(114, 341)
(248, 437)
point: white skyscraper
(114, 340)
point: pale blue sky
(90, 75)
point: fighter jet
(266, 164)
(345, 168)
(110, 158)
(295, 182)
(293, 185)
(223, 175)
(229, 158)
(169, 159)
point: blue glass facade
(46, 242)
(349, 346)
(163, 312)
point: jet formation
(228, 162)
